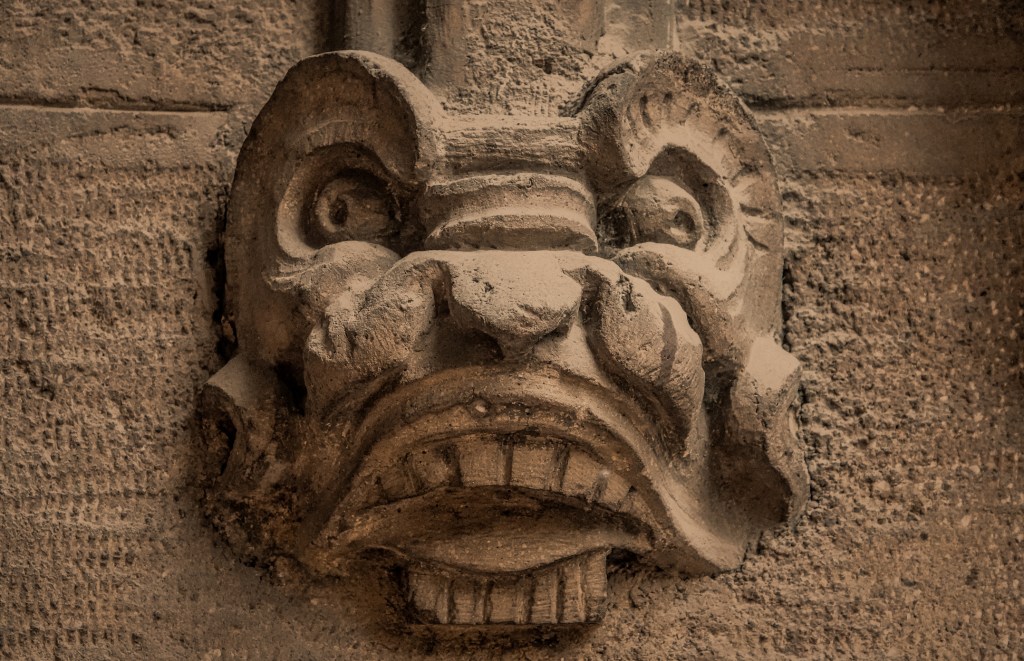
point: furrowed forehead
(486, 143)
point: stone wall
(898, 129)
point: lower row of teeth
(570, 591)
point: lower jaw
(570, 591)
(499, 556)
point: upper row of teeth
(487, 461)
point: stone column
(504, 56)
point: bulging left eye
(354, 206)
(658, 209)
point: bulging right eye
(354, 206)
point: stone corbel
(498, 351)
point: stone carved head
(500, 350)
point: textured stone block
(106, 327)
(816, 53)
(932, 143)
(171, 54)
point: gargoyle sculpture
(493, 350)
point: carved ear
(342, 140)
(658, 116)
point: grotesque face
(499, 349)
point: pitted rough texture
(903, 302)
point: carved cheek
(366, 338)
(335, 271)
(645, 338)
(702, 290)
(387, 327)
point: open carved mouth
(501, 554)
(544, 466)
(502, 494)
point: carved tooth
(573, 605)
(533, 465)
(585, 478)
(523, 599)
(626, 504)
(430, 595)
(365, 494)
(633, 505)
(594, 572)
(581, 476)
(558, 473)
(482, 611)
(396, 483)
(615, 490)
(502, 604)
(505, 601)
(482, 462)
(449, 454)
(468, 598)
(544, 609)
(428, 468)
(412, 477)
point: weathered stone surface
(169, 54)
(933, 143)
(517, 389)
(510, 56)
(890, 53)
(106, 219)
(902, 302)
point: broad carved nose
(516, 298)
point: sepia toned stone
(895, 131)
(509, 370)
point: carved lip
(561, 461)
(492, 532)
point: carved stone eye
(658, 209)
(355, 206)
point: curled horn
(642, 107)
(659, 114)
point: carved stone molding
(494, 350)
